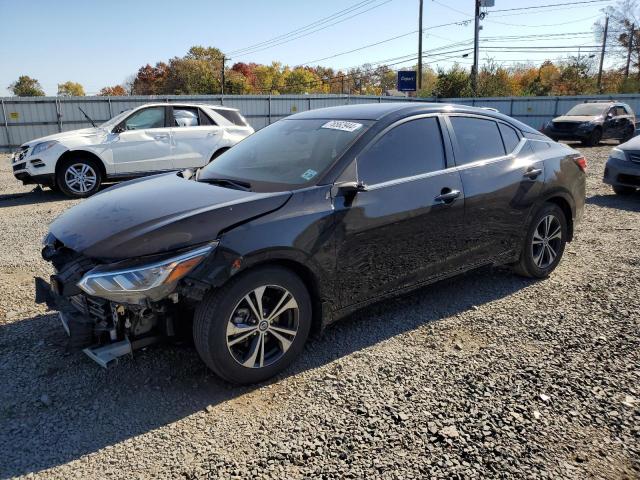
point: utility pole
(476, 53)
(630, 46)
(604, 45)
(224, 59)
(419, 86)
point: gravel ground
(486, 375)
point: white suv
(153, 138)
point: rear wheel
(544, 243)
(255, 326)
(79, 177)
(621, 190)
(593, 139)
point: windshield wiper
(237, 184)
(88, 117)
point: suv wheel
(544, 243)
(593, 139)
(255, 326)
(79, 177)
(622, 190)
(628, 134)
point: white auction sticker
(342, 125)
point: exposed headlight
(41, 147)
(617, 153)
(152, 280)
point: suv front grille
(565, 125)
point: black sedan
(304, 222)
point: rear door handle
(447, 195)
(533, 173)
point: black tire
(91, 181)
(529, 264)
(624, 191)
(218, 153)
(213, 316)
(628, 134)
(593, 139)
(53, 186)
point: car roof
(378, 111)
(187, 104)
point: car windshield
(115, 120)
(286, 154)
(587, 109)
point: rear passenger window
(509, 137)
(205, 119)
(478, 139)
(412, 148)
(185, 117)
(620, 110)
(232, 115)
(539, 146)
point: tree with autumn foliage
(115, 91)
(150, 80)
(70, 89)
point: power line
(305, 27)
(548, 5)
(302, 35)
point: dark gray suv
(593, 121)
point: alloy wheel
(80, 178)
(263, 326)
(547, 240)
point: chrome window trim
(397, 181)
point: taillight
(581, 162)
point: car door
(194, 137)
(142, 142)
(611, 124)
(406, 225)
(502, 179)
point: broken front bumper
(86, 321)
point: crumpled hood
(575, 118)
(82, 133)
(157, 214)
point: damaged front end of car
(111, 309)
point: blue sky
(99, 43)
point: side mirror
(346, 189)
(118, 129)
(609, 115)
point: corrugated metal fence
(25, 118)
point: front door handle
(447, 195)
(161, 136)
(533, 173)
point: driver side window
(152, 117)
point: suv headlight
(41, 147)
(617, 153)
(153, 280)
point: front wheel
(255, 326)
(79, 177)
(628, 134)
(544, 243)
(593, 139)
